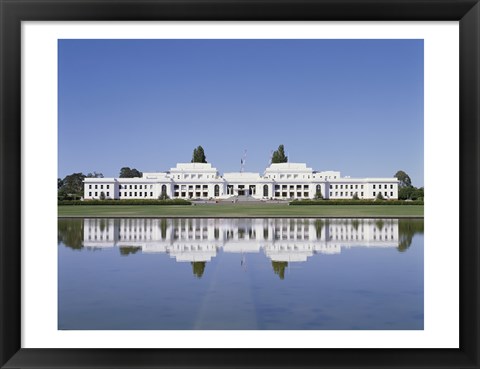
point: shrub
(127, 202)
(355, 202)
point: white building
(284, 181)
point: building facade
(282, 181)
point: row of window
(291, 187)
(197, 194)
(195, 176)
(190, 187)
(101, 186)
(385, 193)
(290, 194)
(135, 194)
(385, 186)
(346, 187)
(107, 194)
(134, 187)
(346, 194)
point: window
(356, 187)
(361, 194)
(108, 187)
(176, 194)
(373, 193)
(151, 194)
(299, 187)
(108, 193)
(119, 194)
(130, 194)
(96, 193)
(176, 187)
(331, 186)
(193, 176)
(135, 188)
(305, 187)
(277, 194)
(205, 194)
(90, 186)
(216, 190)
(96, 186)
(391, 194)
(391, 187)
(205, 187)
(135, 193)
(130, 186)
(374, 188)
(299, 194)
(200, 175)
(265, 190)
(89, 194)
(145, 194)
(351, 187)
(305, 194)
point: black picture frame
(13, 12)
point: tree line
(406, 191)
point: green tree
(318, 195)
(94, 175)
(199, 155)
(355, 196)
(418, 194)
(406, 193)
(163, 195)
(404, 179)
(279, 155)
(72, 187)
(379, 196)
(102, 195)
(126, 172)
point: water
(240, 274)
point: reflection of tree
(198, 268)
(163, 228)
(407, 228)
(70, 233)
(127, 250)
(319, 223)
(279, 268)
(103, 224)
(379, 224)
(355, 224)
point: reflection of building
(279, 181)
(282, 240)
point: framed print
(200, 214)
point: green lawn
(241, 210)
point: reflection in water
(198, 240)
(240, 274)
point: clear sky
(355, 106)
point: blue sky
(355, 106)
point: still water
(240, 274)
